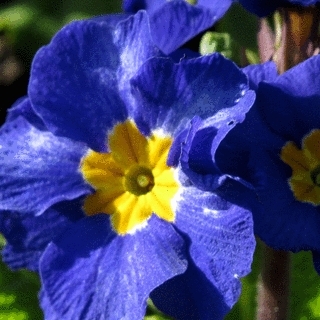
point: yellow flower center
(132, 181)
(305, 165)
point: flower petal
(283, 112)
(37, 169)
(23, 108)
(260, 72)
(72, 84)
(76, 80)
(279, 219)
(132, 51)
(262, 8)
(190, 296)
(27, 236)
(45, 305)
(221, 235)
(199, 148)
(293, 96)
(91, 273)
(182, 21)
(171, 94)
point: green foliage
(153, 313)
(305, 290)
(18, 294)
(217, 42)
(241, 25)
(235, 37)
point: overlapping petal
(22, 107)
(280, 220)
(171, 94)
(37, 169)
(262, 72)
(76, 80)
(178, 19)
(27, 236)
(221, 239)
(199, 149)
(113, 275)
(190, 296)
(263, 8)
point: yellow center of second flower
(305, 165)
(132, 181)
(193, 2)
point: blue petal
(27, 236)
(37, 169)
(260, 72)
(221, 238)
(233, 153)
(23, 108)
(111, 19)
(183, 53)
(76, 80)
(199, 148)
(171, 94)
(45, 305)
(196, 158)
(306, 79)
(132, 51)
(72, 83)
(262, 8)
(291, 117)
(190, 296)
(176, 22)
(316, 260)
(92, 273)
(279, 219)
(136, 5)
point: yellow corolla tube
(305, 165)
(132, 181)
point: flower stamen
(305, 164)
(132, 181)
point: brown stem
(299, 35)
(273, 286)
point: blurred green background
(27, 25)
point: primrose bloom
(103, 192)
(276, 149)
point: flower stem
(300, 38)
(274, 285)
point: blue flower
(102, 193)
(178, 19)
(263, 8)
(276, 150)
